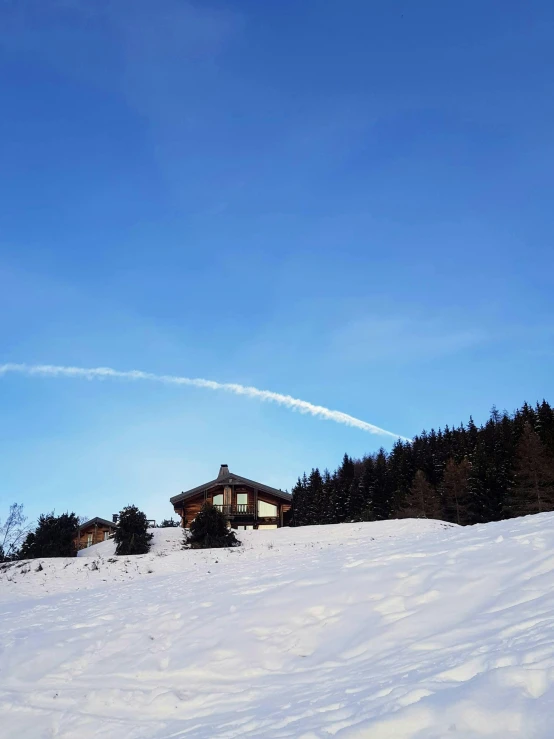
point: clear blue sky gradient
(349, 202)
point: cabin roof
(99, 522)
(224, 477)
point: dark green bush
(54, 536)
(132, 535)
(209, 530)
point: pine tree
(327, 508)
(477, 505)
(381, 499)
(400, 475)
(299, 515)
(503, 452)
(132, 535)
(532, 490)
(54, 536)
(472, 434)
(345, 475)
(545, 425)
(437, 460)
(315, 497)
(489, 476)
(333, 504)
(422, 501)
(367, 487)
(355, 501)
(209, 530)
(454, 490)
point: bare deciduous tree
(12, 532)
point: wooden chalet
(93, 532)
(246, 504)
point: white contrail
(100, 373)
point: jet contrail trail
(101, 373)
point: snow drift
(396, 630)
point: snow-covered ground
(381, 630)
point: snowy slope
(385, 630)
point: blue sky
(346, 202)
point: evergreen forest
(464, 475)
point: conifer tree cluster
(465, 475)
(54, 536)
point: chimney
(115, 516)
(223, 471)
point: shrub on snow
(209, 530)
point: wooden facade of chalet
(93, 532)
(245, 503)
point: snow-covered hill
(385, 630)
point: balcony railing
(238, 509)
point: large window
(242, 502)
(267, 510)
(89, 540)
(218, 499)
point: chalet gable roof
(224, 477)
(99, 522)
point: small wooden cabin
(246, 504)
(93, 532)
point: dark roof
(99, 522)
(224, 477)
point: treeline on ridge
(465, 475)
